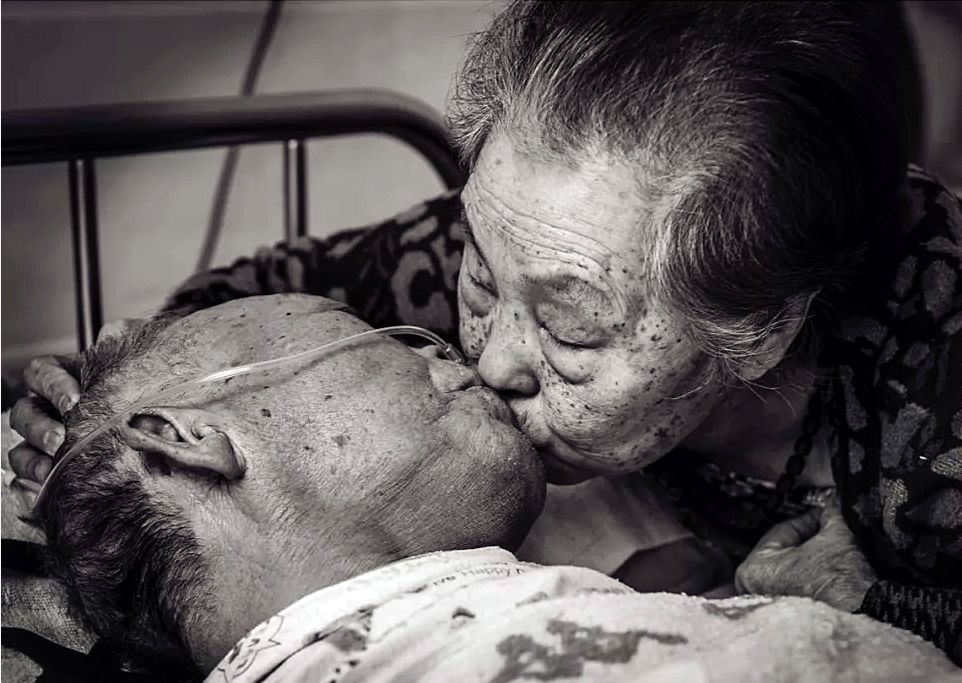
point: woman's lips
(557, 469)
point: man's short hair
(129, 559)
(769, 137)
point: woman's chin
(562, 473)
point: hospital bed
(41, 637)
(79, 136)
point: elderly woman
(690, 247)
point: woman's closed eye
(565, 352)
(480, 283)
(565, 340)
(563, 326)
(480, 292)
(479, 296)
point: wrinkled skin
(50, 386)
(556, 307)
(811, 556)
(336, 455)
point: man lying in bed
(304, 500)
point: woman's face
(556, 307)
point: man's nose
(506, 362)
(447, 375)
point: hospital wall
(154, 209)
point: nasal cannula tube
(302, 356)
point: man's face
(556, 303)
(368, 433)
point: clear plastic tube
(227, 373)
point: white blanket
(481, 615)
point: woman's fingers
(832, 513)
(31, 419)
(46, 376)
(29, 464)
(116, 328)
(790, 533)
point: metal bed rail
(79, 136)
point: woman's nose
(447, 375)
(506, 363)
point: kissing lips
(494, 403)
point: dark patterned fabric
(897, 397)
(936, 613)
(401, 271)
(727, 510)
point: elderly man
(351, 507)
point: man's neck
(249, 592)
(753, 431)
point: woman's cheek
(598, 416)
(574, 411)
(567, 365)
(474, 328)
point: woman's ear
(779, 340)
(184, 438)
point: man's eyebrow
(470, 238)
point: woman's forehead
(595, 204)
(580, 226)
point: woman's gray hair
(769, 138)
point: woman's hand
(38, 418)
(52, 391)
(812, 556)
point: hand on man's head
(53, 390)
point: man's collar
(270, 643)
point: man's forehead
(273, 305)
(261, 324)
(257, 310)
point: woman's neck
(754, 430)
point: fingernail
(25, 485)
(52, 441)
(40, 469)
(67, 404)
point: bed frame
(78, 136)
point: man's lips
(559, 471)
(494, 402)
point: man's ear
(779, 340)
(184, 437)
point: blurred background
(154, 209)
